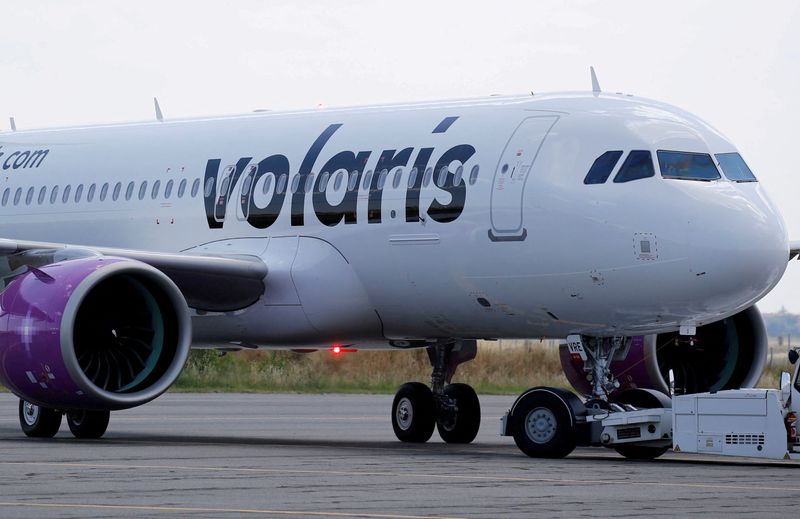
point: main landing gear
(42, 422)
(453, 409)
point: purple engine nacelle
(727, 354)
(96, 332)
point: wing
(216, 283)
(794, 249)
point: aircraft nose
(738, 246)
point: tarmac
(287, 455)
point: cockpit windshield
(684, 165)
(735, 168)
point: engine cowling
(95, 332)
(727, 354)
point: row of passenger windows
(67, 194)
(681, 165)
(341, 179)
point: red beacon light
(338, 349)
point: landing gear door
(515, 166)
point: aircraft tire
(88, 424)
(463, 427)
(641, 399)
(37, 421)
(413, 413)
(542, 424)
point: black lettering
(412, 195)
(444, 213)
(387, 161)
(21, 159)
(209, 188)
(330, 214)
(263, 217)
(36, 155)
(6, 164)
(299, 197)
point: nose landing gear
(453, 408)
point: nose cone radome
(738, 247)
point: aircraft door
(511, 175)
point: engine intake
(92, 333)
(727, 354)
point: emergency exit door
(515, 166)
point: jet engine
(727, 354)
(91, 332)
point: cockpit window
(602, 167)
(639, 164)
(735, 168)
(684, 165)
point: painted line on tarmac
(183, 509)
(459, 477)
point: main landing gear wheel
(543, 423)
(462, 425)
(37, 421)
(88, 424)
(641, 399)
(413, 413)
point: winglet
(13, 124)
(595, 83)
(159, 115)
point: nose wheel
(37, 421)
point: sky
(736, 64)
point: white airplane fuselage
(507, 242)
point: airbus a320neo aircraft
(628, 226)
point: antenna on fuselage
(159, 115)
(595, 83)
(13, 124)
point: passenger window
(129, 190)
(602, 167)
(248, 180)
(734, 167)
(337, 183)
(117, 189)
(683, 165)
(639, 164)
(209, 187)
(157, 188)
(382, 179)
(104, 192)
(267, 183)
(65, 196)
(181, 188)
(195, 187)
(441, 177)
(309, 182)
(90, 193)
(54, 195)
(459, 175)
(295, 183)
(42, 195)
(280, 185)
(398, 176)
(78, 193)
(17, 195)
(143, 190)
(168, 189)
(426, 179)
(367, 181)
(412, 178)
(473, 175)
(29, 196)
(351, 183)
(6, 193)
